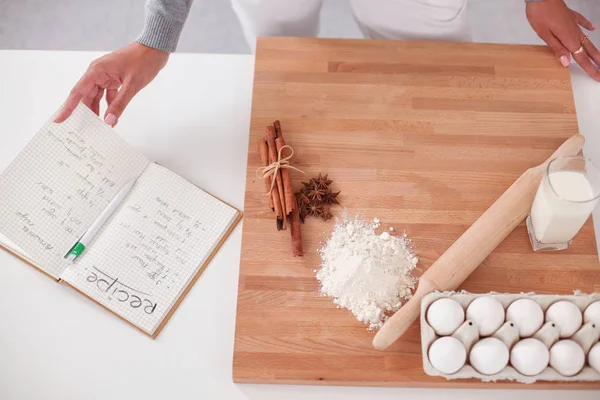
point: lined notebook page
(61, 181)
(151, 247)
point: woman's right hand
(121, 74)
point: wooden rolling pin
(461, 259)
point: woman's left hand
(559, 27)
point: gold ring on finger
(580, 49)
(584, 40)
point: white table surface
(194, 119)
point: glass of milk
(566, 197)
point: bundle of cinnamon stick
(281, 194)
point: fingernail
(111, 119)
(564, 60)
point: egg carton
(428, 336)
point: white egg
(447, 355)
(489, 356)
(527, 315)
(445, 316)
(566, 315)
(567, 357)
(487, 313)
(594, 357)
(592, 313)
(529, 356)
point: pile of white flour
(367, 273)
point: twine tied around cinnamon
(272, 169)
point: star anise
(330, 197)
(326, 215)
(322, 182)
(316, 193)
(303, 211)
(315, 210)
(301, 198)
(316, 197)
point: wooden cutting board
(424, 136)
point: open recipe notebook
(149, 252)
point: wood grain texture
(423, 135)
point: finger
(562, 53)
(85, 84)
(592, 51)
(110, 95)
(583, 21)
(118, 104)
(88, 99)
(586, 64)
(95, 106)
(574, 41)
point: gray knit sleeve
(164, 22)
